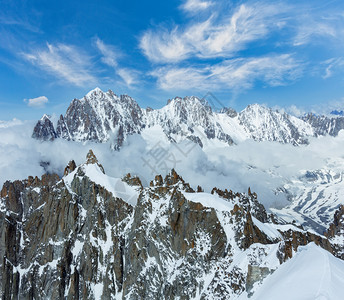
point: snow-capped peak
(95, 91)
(99, 116)
(45, 116)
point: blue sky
(286, 54)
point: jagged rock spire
(92, 159)
(70, 168)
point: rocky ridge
(105, 117)
(324, 125)
(90, 236)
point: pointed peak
(69, 168)
(92, 159)
(256, 106)
(97, 90)
(111, 92)
(188, 101)
(132, 180)
(45, 116)
(171, 179)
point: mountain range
(103, 116)
(82, 234)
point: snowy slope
(264, 124)
(316, 195)
(189, 118)
(116, 186)
(312, 273)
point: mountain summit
(105, 117)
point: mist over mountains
(292, 165)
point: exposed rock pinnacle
(70, 168)
(92, 159)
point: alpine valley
(218, 204)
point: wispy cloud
(219, 48)
(110, 56)
(66, 62)
(307, 32)
(37, 102)
(331, 65)
(109, 53)
(194, 6)
(234, 74)
(215, 37)
(13, 20)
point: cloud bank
(263, 166)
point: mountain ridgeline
(105, 117)
(90, 236)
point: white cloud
(108, 52)
(165, 46)
(129, 76)
(319, 25)
(37, 102)
(216, 37)
(66, 62)
(295, 111)
(231, 74)
(193, 6)
(332, 65)
(263, 166)
(110, 57)
(307, 32)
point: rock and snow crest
(89, 235)
(103, 116)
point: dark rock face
(62, 130)
(335, 232)
(44, 130)
(229, 111)
(323, 125)
(70, 168)
(255, 274)
(71, 238)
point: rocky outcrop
(294, 238)
(44, 130)
(323, 125)
(72, 238)
(70, 168)
(335, 233)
